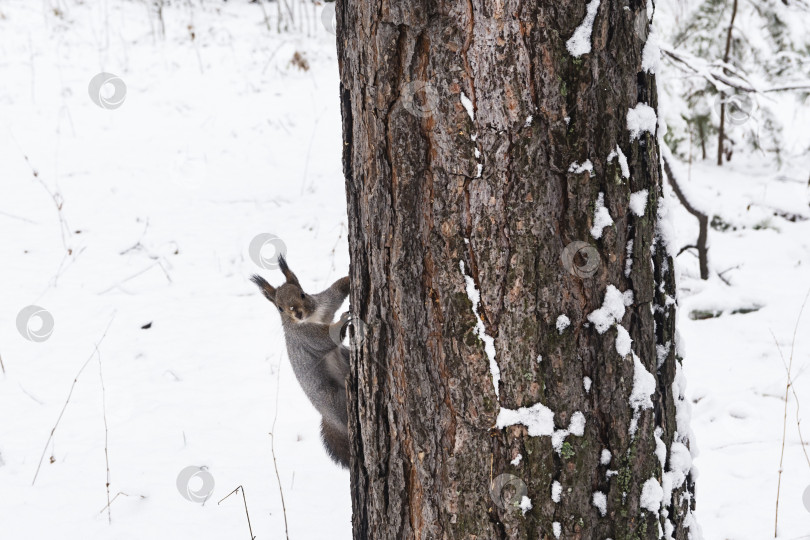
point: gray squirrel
(319, 359)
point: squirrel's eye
(302, 296)
(279, 309)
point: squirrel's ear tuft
(282, 264)
(268, 290)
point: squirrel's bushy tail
(336, 443)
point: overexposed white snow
(577, 424)
(525, 504)
(515, 462)
(538, 418)
(556, 529)
(638, 202)
(612, 310)
(586, 383)
(643, 386)
(651, 54)
(665, 228)
(580, 42)
(623, 341)
(641, 118)
(604, 458)
(651, 495)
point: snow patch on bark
(638, 202)
(600, 502)
(641, 118)
(651, 55)
(660, 447)
(468, 106)
(622, 160)
(538, 418)
(480, 331)
(612, 309)
(601, 217)
(623, 341)
(576, 168)
(563, 322)
(556, 491)
(628, 263)
(651, 495)
(680, 465)
(580, 42)
(643, 386)
(525, 504)
(576, 427)
(577, 424)
(665, 228)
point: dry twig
(788, 388)
(70, 393)
(246, 508)
(273, 451)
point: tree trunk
(721, 133)
(444, 203)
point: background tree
(734, 63)
(519, 376)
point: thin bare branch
(273, 452)
(106, 433)
(244, 499)
(70, 393)
(788, 388)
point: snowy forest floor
(221, 137)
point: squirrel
(319, 359)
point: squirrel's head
(292, 302)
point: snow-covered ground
(144, 213)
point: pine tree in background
(734, 62)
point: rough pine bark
(439, 196)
